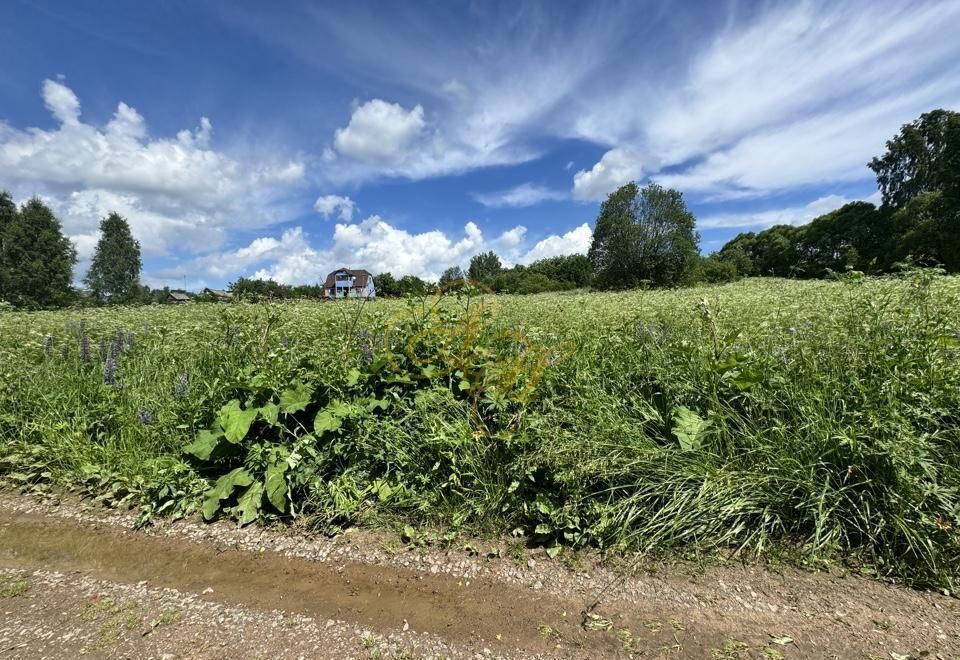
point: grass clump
(811, 420)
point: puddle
(375, 596)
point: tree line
(918, 221)
(642, 237)
(37, 260)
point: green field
(811, 421)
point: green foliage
(484, 267)
(36, 264)
(451, 275)
(917, 160)
(919, 222)
(644, 236)
(815, 416)
(114, 274)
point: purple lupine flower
(367, 351)
(130, 340)
(145, 417)
(119, 341)
(183, 386)
(110, 371)
(48, 345)
(285, 341)
(85, 349)
(104, 350)
(64, 352)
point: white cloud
(379, 246)
(380, 133)
(177, 193)
(615, 168)
(61, 101)
(525, 194)
(575, 241)
(327, 205)
(796, 215)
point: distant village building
(218, 294)
(349, 283)
(177, 297)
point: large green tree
(485, 266)
(451, 275)
(644, 236)
(918, 158)
(114, 274)
(38, 259)
(8, 214)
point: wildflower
(103, 350)
(110, 371)
(130, 340)
(183, 386)
(792, 330)
(285, 341)
(85, 349)
(48, 344)
(145, 417)
(121, 336)
(367, 351)
(64, 351)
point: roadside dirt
(74, 581)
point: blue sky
(286, 139)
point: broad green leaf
(296, 398)
(782, 640)
(552, 552)
(269, 413)
(205, 444)
(688, 426)
(222, 489)
(249, 503)
(353, 376)
(236, 421)
(276, 483)
(331, 418)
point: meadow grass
(821, 419)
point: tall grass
(818, 418)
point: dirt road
(76, 580)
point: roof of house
(361, 277)
(180, 297)
(219, 293)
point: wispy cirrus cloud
(520, 196)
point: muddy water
(374, 596)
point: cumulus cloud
(61, 101)
(575, 241)
(379, 246)
(327, 205)
(525, 194)
(177, 193)
(380, 133)
(615, 168)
